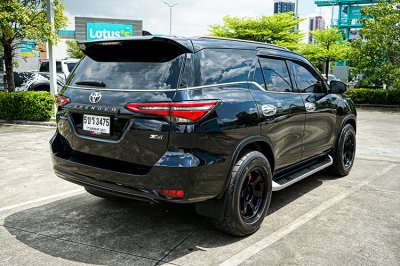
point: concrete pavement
(321, 220)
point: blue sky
(305, 6)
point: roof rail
(240, 40)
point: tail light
(179, 112)
(172, 193)
(61, 100)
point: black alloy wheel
(348, 151)
(252, 195)
(248, 196)
(344, 154)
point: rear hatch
(113, 74)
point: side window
(258, 76)
(186, 77)
(306, 80)
(276, 75)
(224, 65)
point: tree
(26, 20)
(328, 46)
(73, 50)
(377, 54)
(278, 29)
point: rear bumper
(199, 183)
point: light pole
(52, 61)
(170, 16)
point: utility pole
(52, 61)
(170, 16)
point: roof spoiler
(136, 49)
(181, 43)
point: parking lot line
(305, 218)
(43, 199)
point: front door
(281, 111)
(319, 131)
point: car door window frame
(259, 65)
(312, 71)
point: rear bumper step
(112, 189)
(303, 173)
(175, 172)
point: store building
(30, 54)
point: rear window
(20, 78)
(224, 65)
(44, 67)
(70, 66)
(130, 75)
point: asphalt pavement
(322, 220)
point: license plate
(96, 125)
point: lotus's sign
(96, 30)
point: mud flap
(213, 208)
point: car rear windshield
(129, 75)
(70, 66)
(130, 66)
(44, 67)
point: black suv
(216, 122)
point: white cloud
(325, 12)
(189, 17)
(194, 19)
(71, 20)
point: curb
(381, 107)
(378, 106)
(30, 123)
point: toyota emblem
(95, 97)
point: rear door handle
(268, 109)
(310, 107)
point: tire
(102, 194)
(240, 218)
(343, 157)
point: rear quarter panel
(215, 138)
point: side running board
(303, 173)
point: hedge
(374, 96)
(26, 105)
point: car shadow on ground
(66, 228)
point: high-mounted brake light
(61, 100)
(180, 112)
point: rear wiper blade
(97, 83)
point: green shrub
(26, 105)
(374, 96)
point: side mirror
(337, 87)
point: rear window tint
(276, 75)
(224, 65)
(130, 75)
(44, 67)
(70, 66)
